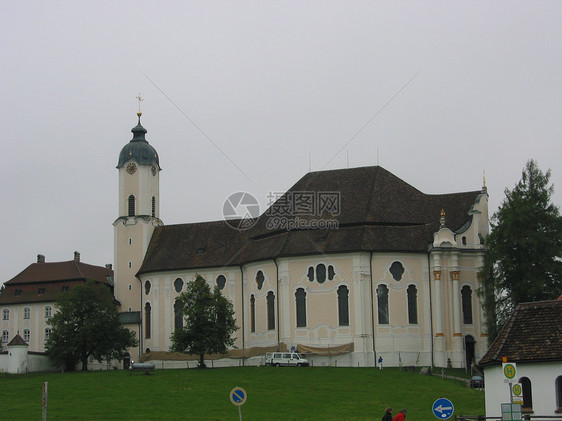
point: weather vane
(139, 98)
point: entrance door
(469, 350)
(126, 361)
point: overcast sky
(247, 95)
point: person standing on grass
(380, 362)
(401, 416)
(387, 414)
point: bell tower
(139, 212)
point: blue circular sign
(443, 408)
(238, 396)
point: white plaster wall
(543, 377)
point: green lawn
(313, 393)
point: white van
(277, 359)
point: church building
(346, 266)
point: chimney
(76, 256)
(109, 266)
(40, 258)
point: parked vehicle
(277, 359)
(477, 381)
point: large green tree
(209, 321)
(523, 262)
(87, 324)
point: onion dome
(138, 148)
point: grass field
(314, 393)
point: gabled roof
(533, 333)
(42, 282)
(17, 341)
(373, 210)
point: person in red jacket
(401, 416)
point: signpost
(517, 393)
(238, 397)
(45, 386)
(443, 408)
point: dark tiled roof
(43, 282)
(376, 211)
(18, 340)
(533, 333)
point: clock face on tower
(131, 167)
(154, 169)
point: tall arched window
(252, 313)
(153, 207)
(147, 311)
(48, 312)
(270, 310)
(343, 306)
(382, 302)
(26, 335)
(466, 298)
(178, 316)
(26, 313)
(131, 205)
(527, 394)
(412, 305)
(558, 386)
(300, 297)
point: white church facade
(347, 266)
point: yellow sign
(509, 370)
(517, 389)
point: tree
(209, 321)
(523, 262)
(87, 324)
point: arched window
(178, 284)
(466, 298)
(270, 310)
(382, 302)
(48, 312)
(147, 311)
(558, 386)
(131, 205)
(153, 207)
(27, 313)
(147, 287)
(5, 336)
(527, 394)
(6, 314)
(178, 316)
(259, 279)
(412, 305)
(343, 306)
(300, 297)
(252, 313)
(221, 281)
(26, 335)
(321, 273)
(47, 333)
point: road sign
(509, 370)
(511, 412)
(517, 389)
(238, 396)
(443, 408)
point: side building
(347, 266)
(28, 300)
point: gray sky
(448, 89)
